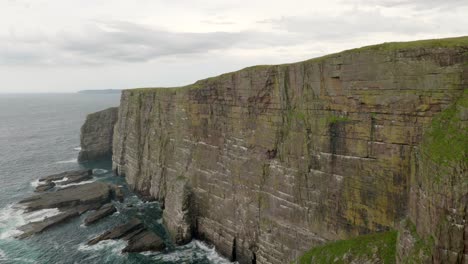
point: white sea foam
(115, 246)
(77, 148)
(76, 183)
(3, 255)
(62, 180)
(67, 161)
(35, 183)
(40, 215)
(100, 171)
(13, 217)
(211, 253)
(186, 253)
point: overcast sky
(65, 46)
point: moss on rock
(374, 248)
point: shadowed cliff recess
(270, 162)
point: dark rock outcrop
(96, 135)
(70, 201)
(91, 193)
(279, 159)
(64, 178)
(39, 226)
(138, 236)
(144, 241)
(45, 187)
(102, 212)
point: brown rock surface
(279, 159)
(96, 135)
(138, 236)
(102, 212)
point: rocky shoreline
(97, 198)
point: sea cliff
(271, 161)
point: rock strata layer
(102, 212)
(70, 201)
(270, 161)
(96, 135)
(139, 238)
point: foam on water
(13, 217)
(100, 171)
(67, 161)
(62, 180)
(2, 255)
(115, 246)
(40, 215)
(10, 219)
(76, 183)
(77, 148)
(35, 183)
(211, 253)
(189, 253)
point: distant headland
(105, 91)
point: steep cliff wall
(97, 134)
(270, 161)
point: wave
(12, 217)
(35, 183)
(115, 246)
(186, 254)
(62, 180)
(77, 148)
(100, 171)
(67, 161)
(76, 183)
(211, 253)
(2, 255)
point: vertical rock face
(438, 208)
(96, 135)
(270, 161)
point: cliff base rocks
(71, 201)
(102, 212)
(139, 238)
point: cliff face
(270, 161)
(96, 135)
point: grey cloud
(349, 24)
(131, 42)
(126, 42)
(421, 4)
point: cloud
(349, 24)
(421, 4)
(108, 42)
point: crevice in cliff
(234, 250)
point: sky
(66, 46)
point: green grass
(337, 119)
(446, 141)
(367, 247)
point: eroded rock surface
(102, 212)
(96, 135)
(139, 238)
(279, 159)
(90, 193)
(70, 201)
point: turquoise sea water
(39, 136)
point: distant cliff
(271, 161)
(96, 135)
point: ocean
(39, 136)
